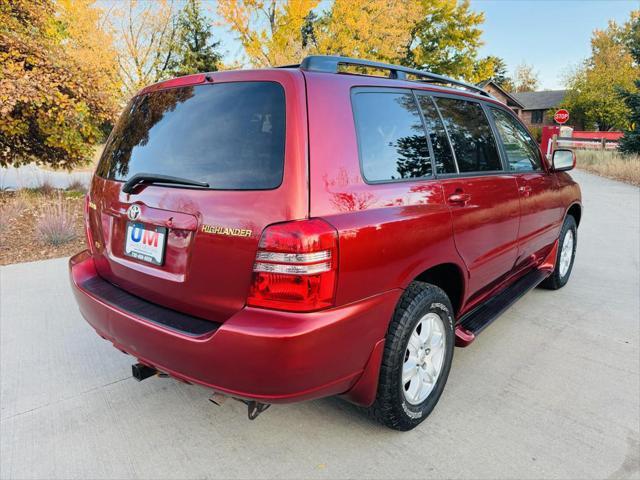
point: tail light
(296, 267)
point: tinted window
(230, 135)
(522, 151)
(470, 134)
(390, 136)
(435, 129)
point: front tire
(567, 243)
(417, 357)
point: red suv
(292, 233)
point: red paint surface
(548, 131)
(388, 234)
(598, 135)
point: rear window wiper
(140, 178)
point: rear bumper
(270, 356)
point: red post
(548, 132)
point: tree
(525, 79)
(53, 97)
(442, 36)
(270, 31)
(630, 142)
(195, 52)
(373, 29)
(446, 38)
(148, 38)
(89, 44)
(499, 73)
(594, 87)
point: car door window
(391, 136)
(442, 153)
(471, 136)
(522, 151)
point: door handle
(459, 198)
(525, 190)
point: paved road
(550, 390)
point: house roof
(540, 100)
(510, 96)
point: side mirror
(563, 160)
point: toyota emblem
(133, 212)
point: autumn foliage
(442, 36)
(68, 66)
(57, 83)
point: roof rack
(331, 64)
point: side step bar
(474, 322)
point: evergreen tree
(630, 143)
(195, 51)
(500, 76)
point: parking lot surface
(550, 390)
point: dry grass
(610, 164)
(11, 211)
(56, 224)
(35, 226)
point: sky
(551, 35)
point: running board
(474, 322)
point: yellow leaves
(54, 94)
(10, 126)
(270, 31)
(439, 35)
(594, 94)
(373, 29)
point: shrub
(77, 185)
(56, 226)
(537, 133)
(45, 187)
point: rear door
(192, 248)
(483, 199)
(535, 186)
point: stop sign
(561, 116)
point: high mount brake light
(296, 267)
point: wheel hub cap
(566, 253)
(423, 359)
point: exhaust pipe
(140, 371)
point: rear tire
(407, 395)
(567, 243)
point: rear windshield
(229, 135)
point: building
(530, 106)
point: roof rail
(331, 64)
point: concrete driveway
(552, 389)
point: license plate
(145, 243)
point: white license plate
(145, 243)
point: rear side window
(470, 134)
(230, 135)
(522, 151)
(391, 136)
(438, 136)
